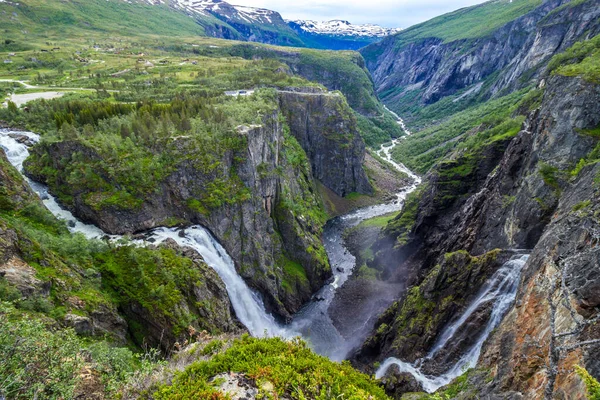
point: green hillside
(466, 23)
(54, 20)
(471, 22)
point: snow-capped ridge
(229, 11)
(338, 27)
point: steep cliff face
(524, 193)
(336, 151)
(557, 304)
(87, 285)
(272, 230)
(409, 67)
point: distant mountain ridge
(339, 34)
(339, 27)
(213, 18)
(268, 26)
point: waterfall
(501, 289)
(312, 322)
(247, 304)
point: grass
(402, 225)
(470, 22)
(550, 175)
(490, 121)
(40, 361)
(592, 385)
(294, 277)
(91, 275)
(582, 59)
(377, 222)
(289, 369)
(467, 23)
(53, 19)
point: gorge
(200, 217)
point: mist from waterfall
(501, 289)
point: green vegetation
(550, 175)
(426, 307)
(91, 275)
(469, 23)
(45, 363)
(582, 59)
(582, 205)
(593, 387)
(401, 226)
(593, 156)
(118, 155)
(377, 222)
(492, 121)
(343, 74)
(466, 23)
(291, 368)
(301, 207)
(53, 19)
(294, 277)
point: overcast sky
(390, 13)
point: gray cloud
(390, 13)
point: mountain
(338, 34)
(457, 61)
(505, 118)
(246, 23)
(214, 18)
(168, 198)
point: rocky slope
(522, 192)
(240, 22)
(41, 275)
(420, 66)
(273, 233)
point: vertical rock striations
(428, 68)
(326, 129)
(271, 225)
(525, 193)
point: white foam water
(501, 289)
(313, 322)
(247, 304)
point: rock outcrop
(513, 56)
(279, 223)
(37, 276)
(326, 129)
(520, 194)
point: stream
(312, 322)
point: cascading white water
(501, 288)
(248, 307)
(313, 322)
(16, 153)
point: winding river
(312, 322)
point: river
(312, 322)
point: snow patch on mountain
(231, 12)
(343, 28)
